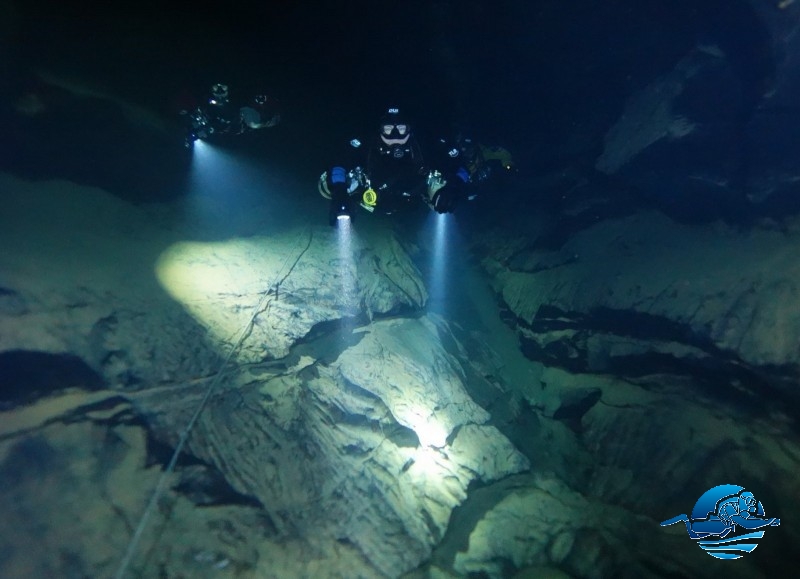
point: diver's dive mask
(392, 134)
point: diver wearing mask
(394, 175)
(395, 136)
(394, 163)
(219, 116)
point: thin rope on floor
(162, 480)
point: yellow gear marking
(370, 197)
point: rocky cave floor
(566, 400)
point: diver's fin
(673, 520)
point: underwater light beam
(347, 266)
(439, 262)
(229, 193)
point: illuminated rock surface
(337, 437)
(354, 435)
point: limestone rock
(486, 452)
(543, 524)
(99, 279)
(650, 114)
(645, 287)
(374, 450)
(400, 363)
(286, 284)
(80, 281)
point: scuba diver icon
(741, 510)
(718, 512)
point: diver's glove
(444, 194)
(445, 200)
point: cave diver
(219, 116)
(392, 174)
